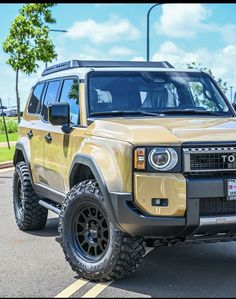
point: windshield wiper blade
(121, 112)
(191, 111)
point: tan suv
(129, 154)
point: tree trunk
(17, 96)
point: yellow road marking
(74, 287)
(92, 293)
(148, 250)
(97, 289)
(6, 169)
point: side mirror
(59, 114)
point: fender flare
(88, 161)
(20, 148)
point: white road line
(74, 287)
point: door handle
(30, 134)
(48, 138)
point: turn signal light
(139, 158)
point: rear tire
(93, 246)
(29, 214)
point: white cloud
(227, 31)
(120, 51)
(181, 20)
(138, 58)
(220, 61)
(103, 32)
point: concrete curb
(6, 164)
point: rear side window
(34, 104)
(50, 97)
(70, 94)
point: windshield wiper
(120, 112)
(192, 111)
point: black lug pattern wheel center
(91, 234)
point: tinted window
(34, 104)
(50, 97)
(153, 92)
(70, 94)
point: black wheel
(29, 214)
(92, 244)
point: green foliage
(28, 40)
(74, 92)
(6, 154)
(11, 124)
(222, 84)
(11, 137)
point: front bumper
(190, 226)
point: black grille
(211, 161)
(217, 207)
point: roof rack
(102, 63)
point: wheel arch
(89, 165)
(20, 155)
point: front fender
(113, 159)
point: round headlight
(163, 159)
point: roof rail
(102, 63)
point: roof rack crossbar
(102, 63)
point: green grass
(10, 118)
(6, 154)
(11, 136)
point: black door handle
(48, 138)
(30, 134)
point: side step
(50, 206)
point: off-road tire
(29, 214)
(123, 254)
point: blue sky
(179, 33)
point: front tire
(29, 214)
(92, 244)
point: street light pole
(148, 20)
(55, 30)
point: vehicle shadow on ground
(50, 230)
(206, 270)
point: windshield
(124, 92)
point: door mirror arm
(66, 128)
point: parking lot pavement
(33, 265)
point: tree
(28, 41)
(199, 66)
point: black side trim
(83, 159)
(44, 191)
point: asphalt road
(33, 265)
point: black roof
(102, 63)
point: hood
(171, 130)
